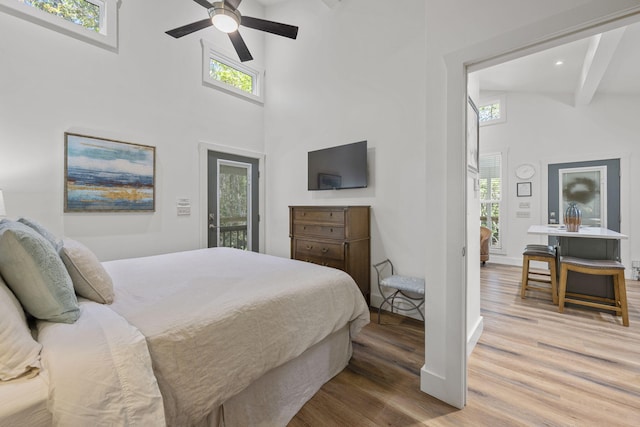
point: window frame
(502, 223)
(106, 37)
(500, 99)
(209, 52)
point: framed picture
(524, 189)
(473, 137)
(103, 175)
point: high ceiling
(269, 2)
(611, 63)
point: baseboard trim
(436, 386)
(473, 338)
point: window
(492, 110)
(231, 76)
(90, 20)
(491, 197)
(222, 72)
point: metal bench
(404, 288)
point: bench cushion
(604, 264)
(404, 283)
(540, 250)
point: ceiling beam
(596, 61)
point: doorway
(473, 59)
(232, 201)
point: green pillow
(35, 273)
(51, 238)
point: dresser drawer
(325, 231)
(326, 216)
(311, 248)
(327, 262)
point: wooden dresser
(334, 236)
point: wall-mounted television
(337, 168)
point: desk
(588, 243)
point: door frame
(203, 154)
(444, 374)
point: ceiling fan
(225, 16)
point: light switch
(183, 207)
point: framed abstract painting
(104, 175)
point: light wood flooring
(532, 366)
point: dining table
(588, 243)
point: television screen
(340, 167)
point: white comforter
(99, 371)
(217, 319)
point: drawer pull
(325, 250)
(331, 230)
(309, 247)
(330, 213)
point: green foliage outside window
(491, 196)
(80, 12)
(226, 74)
(233, 204)
(489, 112)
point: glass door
(233, 217)
(595, 187)
(587, 187)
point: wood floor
(532, 367)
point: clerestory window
(492, 110)
(89, 20)
(222, 72)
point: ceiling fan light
(224, 19)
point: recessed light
(559, 62)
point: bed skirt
(276, 397)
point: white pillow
(19, 352)
(90, 279)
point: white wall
(347, 79)
(546, 128)
(148, 92)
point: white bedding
(23, 402)
(99, 371)
(216, 320)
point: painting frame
(473, 137)
(107, 175)
(523, 189)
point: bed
(209, 337)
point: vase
(572, 217)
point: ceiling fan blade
(277, 28)
(189, 28)
(233, 3)
(204, 3)
(240, 47)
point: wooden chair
(485, 240)
(542, 253)
(598, 267)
